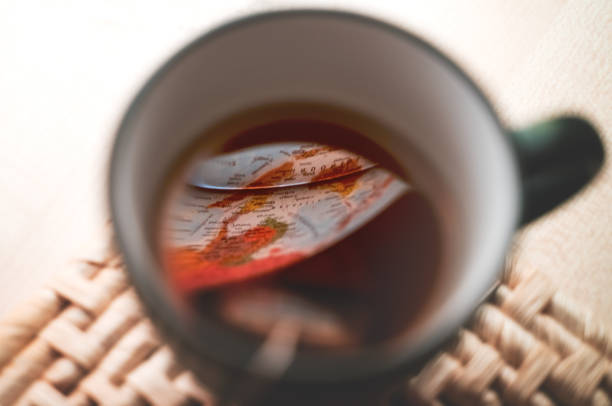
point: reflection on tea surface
(224, 236)
(276, 165)
(304, 235)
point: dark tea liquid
(301, 222)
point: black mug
(499, 179)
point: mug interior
(444, 134)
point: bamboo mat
(83, 340)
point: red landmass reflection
(376, 193)
(189, 273)
(274, 176)
(268, 178)
(344, 186)
(237, 249)
(346, 167)
(227, 258)
(228, 201)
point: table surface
(69, 68)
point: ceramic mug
(446, 135)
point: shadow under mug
(446, 135)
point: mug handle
(556, 159)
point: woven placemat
(83, 340)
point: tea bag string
(272, 359)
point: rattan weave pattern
(529, 345)
(83, 340)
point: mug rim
(355, 368)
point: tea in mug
(299, 222)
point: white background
(69, 68)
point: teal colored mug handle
(556, 158)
